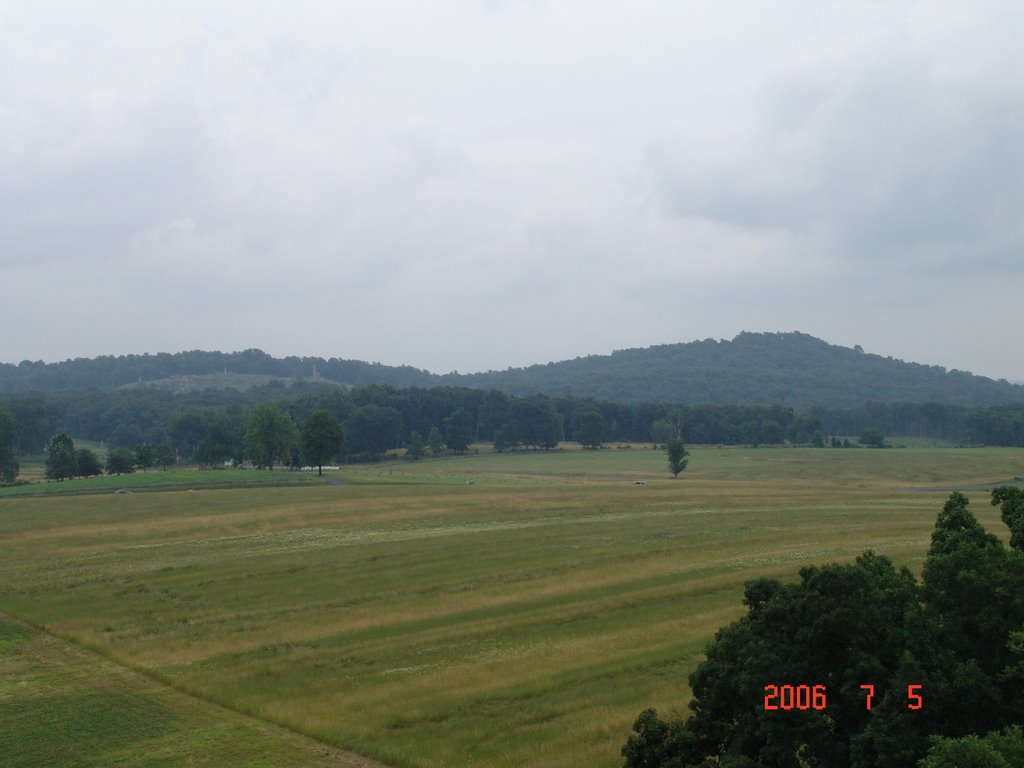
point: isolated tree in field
(145, 456)
(61, 460)
(459, 430)
(89, 464)
(163, 456)
(120, 461)
(322, 438)
(677, 454)
(269, 435)
(588, 426)
(8, 458)
(435, 441)
(414, 447)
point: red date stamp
(804, 697)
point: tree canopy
(120, 461)
(533, 422)
(588, 426)
(145, 456)
(8, 456)
(89, 464)
(459, 430)
(944, 657)
(270, 435)
(61, 460)
(677, 454)
(207, 427)
(322, 438)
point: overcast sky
(460, 185)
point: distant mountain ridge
(752, 369)
(793, 369)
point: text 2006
(789, 697)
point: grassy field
(489, 610)
(63, 705)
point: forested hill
(212, 368)
(754, 368)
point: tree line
(270, 438)
(208, 425)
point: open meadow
(488, 610)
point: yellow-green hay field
(488, 610)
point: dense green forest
(790, 369)
(758, 389)
(126, 370)
(207, 425)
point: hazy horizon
(470, 372)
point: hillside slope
(754, 368)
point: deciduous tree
(998, 749)
(322, 438)
(588, 426)
(459, 430)
(1012, 501)
(144, 456)
(61, 460)
(435, 441)
(955, 641)
(373, 429)
(414, 447)
(120, 461)
(163, 456)
(533, 422)
(270, 435)
(89, 464)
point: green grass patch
(61, 706)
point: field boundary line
(345, 756)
